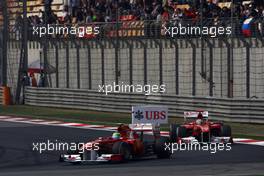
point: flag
(246, 27)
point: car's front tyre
(160, 148)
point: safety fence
(222, 68)
(234, 110)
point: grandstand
(34, 7)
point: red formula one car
(200, 130)
(127, 143)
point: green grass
(253, 131)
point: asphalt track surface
(18, 158)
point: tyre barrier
(5, 96)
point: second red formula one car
(126, 143)
(200, 130)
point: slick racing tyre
(226, 131)
(205, 137)
(123, 149)
(177, 131)
(181, 132)
(173, 132)
(160, 148)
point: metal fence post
(23, 63)
(248, 70)
(194, 72)
(175, 43)
(130, 46)
(103, 67)
(193, 67)
(116, 46)
(247, 45)
(145, 66)
(89, 66)
(102, 61)
(57, 65)
(117, 73)
(145, 61)
(229, 77)
(67, 65)
(78, 64)
(3, 44)
(131, 64)
(45, 57)
(229, 71)
(159, 43)
(211, 87)
(203, 59)
(160, 63)
(25, 38)
(211, 74)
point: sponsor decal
(150, 114)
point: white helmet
(199, 121)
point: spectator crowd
(204, 12)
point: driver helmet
(123, 130)
(199, 121)
(116, 135)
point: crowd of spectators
(87, 11)
(205, 12)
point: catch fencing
(215, 67)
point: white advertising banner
(150, 114)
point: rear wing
(143, 127)
(146, 127)
(191, 114)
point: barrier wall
(234, 110)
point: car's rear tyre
(123, 149)
(215, 132)
(173, 132)
(160, 148)
(205, 137)
(226, 131)
(181, 132)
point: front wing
(213, 139)
(93, 158)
